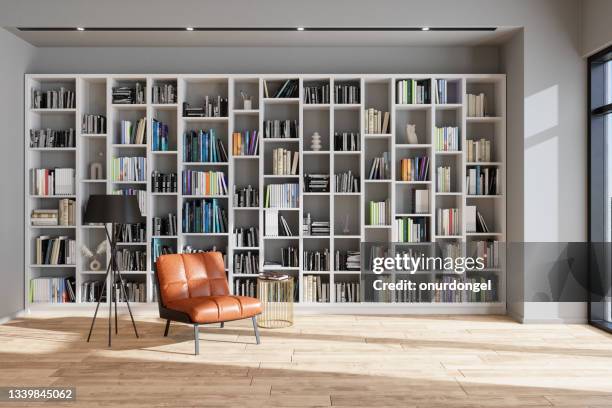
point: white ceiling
(260, 38)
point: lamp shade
(111, 208)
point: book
(376, 121)
(281, 129)
(346, 182)
(128, 168)
(412, 91)
(52, 290)
(316, 183)
(379, 212)
(49, 138)
(414, 169)
(163, 93)
(207, 183)
(204, 216)
(347, 92)
(470, 218)
(448, 222)
(282, 195)
(52, 182)
(316, 94)
(380, 169)
(93, 124)
(245, 143)
(347, 142)
(477, 105)
(163, 182)
(127, 94)
(203, 146)
(421, 201)
(60, 98)
(447, 139)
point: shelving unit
(345, 211)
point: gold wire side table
(275, 291)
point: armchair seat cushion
(213, 309)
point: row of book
(474, 220)
(213, 107)
(246, 262)
(130, 233)
(483, 180)
(275, 225)
(52, 290)
(245, 287)
(284, 162)
(159, 136)
(247, 237)
(141, 197)
(282, 195)
(347, 292)
(346, 182)
(64, 215)
(411, 229)
(478, 150)
(290, 257)
(91, 291)
(135, 292)
(52, 182)
(128, 95)
(163, 93)
(379, 212)
(61, 98)
(204, 216)
(376, 121)
(245, 143)
(59, 250)
(448, 222)
(246, 197)
(317, 260)
(414, 168)
(203, 146)
(281, 129)
(93, 124)
(166, 225)
(133, 260)
(347, 260)
(441, 91)
(347, 142)
(52, 138)
(411, 91)
(316, 94)
(447, 139)
(159, 247)
(209, 183)
(163, 182)
(289, 89)
(380, 168)
(347, 94)
(490, 251)
(477, 105)
(128, 168)
(131, 133)
(316, 183)
(314, 289)
(443, 179)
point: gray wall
(16, 60)
(596, 25)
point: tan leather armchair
(193, 289)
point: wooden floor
(339, 361)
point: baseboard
(554, 313)
(10, 317)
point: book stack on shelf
(204, 183)
(420, 201)
(281, 129)
(347, 261)
(163, 94)
(379, 212)
(414, 169)
(164, 226)
(284, 162)
(443, 179)
(128, 95)
(348, 93)
(245, 143)
(163, 182)
(447, 139)
(316, 260)
(49, 138)
(129, 233)
(376, 121)
(482, 181)
(346, 182)
(246, 197)
(59, 250)
(276, 225)
(141, 196)
(347, 292)
(159, 136)
(64, 215)
(380, 168)
(133, 134)
(448, 223)
(246, 263)
(316, 183)
(315, 290)
(316, 94)
(128, 168)
(52, 182)
(412, 91)
(52, 290)
(478, 150)
(474, 221)
(247, 237)
(61, 98)
(203, 146)
(289, 89)
(282, 195)
(347, 142)
(484, 296)
(204, 217)
(93, 124)
(476, 105)
(214, 107)
(133, 260)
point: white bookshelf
(94, 96)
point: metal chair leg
(255, 329)
(167, 328)
(196, 336)
(222, 324)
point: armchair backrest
(181, 276)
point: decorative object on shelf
(95, 264)
(247, 103)
(346, 228)
(411, 135)
(112, 209)
(315, 145)
(96, 171)
(275, 291)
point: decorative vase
(316, 142)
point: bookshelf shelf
(346, 212)
(131, 243)
(52, 149)
(52, 226)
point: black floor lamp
(112, 209)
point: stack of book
(164, 225)
(448, 222)
(163, 93)
(376, 121)
(282, 162)
(247, 237)
(281, 129)
(414, 169)
(246, 263)
(316, 94)
(245, 143)
(314, 290)
(483, 181)
(61, 98)
(319, 228)
(130, 233)
(52, 138)
(447, 139)
(141, 196)
(347, 261)
(347, 292)
(409, 229)
(128, 95)
(93, 124)
(52, 290)
(64, 215)
(289, 89)
(477, 105)
(133, 134)
(447, 295)
(443, 179)
(203, 146)
(282, 195)
(316, 260)
(159, 136)
(347, 93)
(214, 107)
(208, 183)
(55, 250)
(128, 169)
(316, 183)
(409, 91)
(163, 183)
(204, 216)
(380, 168)
(133, 260)
(246, 196)
(44, 218)
(347, 142)
(478, 150)
(346, 183)
(52, 182)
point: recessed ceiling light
(80, 28)
(300, 28)
(189, 28)
(425, 29)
